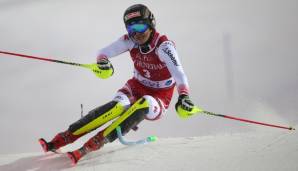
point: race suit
(156, 71)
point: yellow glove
(104, 69)
(185, 107)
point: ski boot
(47, 146)
(76, 155)
(92, 144)
(60, 140)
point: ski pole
(196, 109)
(142, 141)
(92, 67)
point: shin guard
(128, 120)
(96, 118)
(62, 139)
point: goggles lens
(138, 27)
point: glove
(184, 107)
(104, 64)
(105, 68)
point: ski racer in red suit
(147, 95)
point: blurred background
(240, 58)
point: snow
(262, 150)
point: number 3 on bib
(147, 73)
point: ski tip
(73, 159)
(43, 144)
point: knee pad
(156, 108)
(123, 99)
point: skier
(157, 70)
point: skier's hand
(184, 107)
(104, 64)
(105, 67)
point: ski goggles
(138, 27)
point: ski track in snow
(260, 150)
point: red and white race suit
(156, 72)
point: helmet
(139, 12)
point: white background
(240, 58)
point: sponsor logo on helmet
(132, 15)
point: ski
(46, 147)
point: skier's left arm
(169, 56)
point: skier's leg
(147, 107)
(129, 119)
(91, 121)
(60, 140)
(100, 116)
(156, 108)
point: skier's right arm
(116, 48)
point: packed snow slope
(259, 151)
